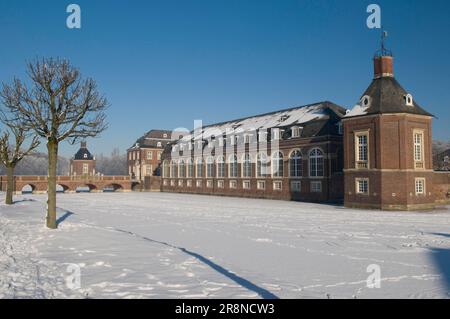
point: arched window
(233, 166)
(262, 165)
(277, 164)
(173, 169)
(190, 168)
(295, 164)
(166, 169)
(316, 163)
(199, 169)
(181, 169)
(209, 167)
(247, 166)
(220, 166)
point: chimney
(83, 144)
(383, 66)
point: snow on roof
(357, 111)
(298, 115)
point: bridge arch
(85, 188)
(113, 187)
(28, 189)
(61, 188)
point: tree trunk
(9, 185)
(52, 147)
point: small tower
(83, 163)
(388, 146)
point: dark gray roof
(153, 139)
(83, 154)
(388, 96)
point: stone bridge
(70, 184)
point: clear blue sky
(162, 64)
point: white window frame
(419, 156)
(261, 185)
(318, 156)
(421, 180)
(314, 189)
(246, 184)
(276, 188)
(362, 163)
(297, 188)
(358, 182)
(233, 184)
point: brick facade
(83, 163)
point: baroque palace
(376, 155)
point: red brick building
(83, 163)
(377, 155)
(388, 146)
(144, 157)
(292, 154)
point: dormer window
(164, 135)
(408, 100)
(85, 155)
(276, 134)
(262, 136)
(295, 131)
(365, 101)
(283, 118)
(158, 144)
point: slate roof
(152, 138)
(387, 96)
(83, 154)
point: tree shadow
(24, 200)
(63, 217)
(440, 234)
(441, 259)
(264, 293)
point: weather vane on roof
(384, 51)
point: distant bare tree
(12, 154)
(58, 105)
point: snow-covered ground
(161, 245)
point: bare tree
(12, 154)
(58, 105)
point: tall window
(362, 150)
(149, 155)
(166, 172)
(261, 165)
(220, 166)
(181, 169)
(295, 164)
(173, 169)
(316, 163)
(233, 166)
(209, 167)
(199, 167)
(418, 149)
(159, 156)
(85, 168)
(277, 164)
(247, 166)
(190, 168)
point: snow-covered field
(161, 245)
